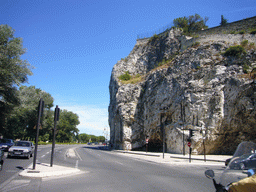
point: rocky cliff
(179, 83)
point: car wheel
(242, 166)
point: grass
(134, 79)
(125, 77)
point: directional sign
(189, 144)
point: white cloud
(92, 119)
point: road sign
(189, 144)
(146, 141)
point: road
(105, 171)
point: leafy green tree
(191, 24)
(181, 22)
(13, 71)
(197, 23)
(67, 129)
(84, 138)
(101, 139)
(21, 123)
(223, 21)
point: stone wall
(245, 24)
(237, 26)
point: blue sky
(74, 44)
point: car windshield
(23, 144)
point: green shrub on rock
(125, 77)
(235, 51)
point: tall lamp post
(163, 128)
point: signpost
(40, 114)
(146, 145)
(56, 118)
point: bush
(241, 32)
(153, 38)
(235, 51)
(244, 43)
(253, 31)
(196, 44)
(125, 77)
(245, 68)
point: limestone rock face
(196, 87)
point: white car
(21, 149)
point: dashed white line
(76, 164)
(119, 163)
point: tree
(223, 21)
(22, 121)
(13, 71)
(84, 138)
(197, 23)
(181, 22)
(192, 23)
(101, 139)
(66, 127)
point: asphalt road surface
(105, 171)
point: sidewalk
(176, 158)
(45, 170)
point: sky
(74, 44)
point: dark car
(5, 144)
(246, 161)
(21, 149)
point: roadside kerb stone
(180, 158)
(45, 170)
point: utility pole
(40, 114)
(163, 128)
(56, 118)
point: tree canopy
(13, 70)
(66, 127)
(191, 24)
(22, 120)
(223, 21)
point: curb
(197, 159)
(154, 155)
(137, 153)
(44, 170)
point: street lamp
(162, 128)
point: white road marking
(76, 164)
(78, 155)
(119, 163)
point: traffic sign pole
(56, 118)
(40, 114)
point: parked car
(5, 144)
(21, 149)
(246, 161)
